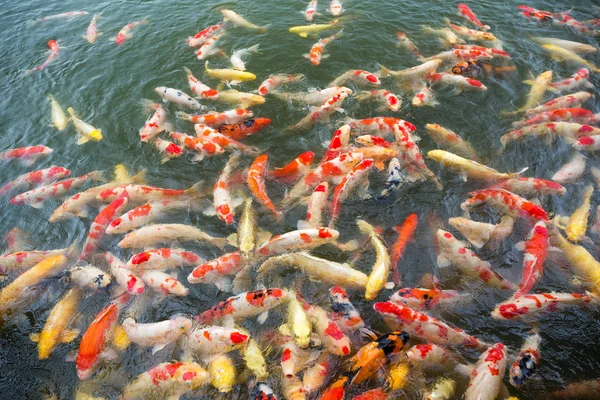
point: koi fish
(155, 124)
(302, 239)
(217, 271)
(215, 119)
(470, 34)
(275, 81)
(323, 112)
(406, 233)
(479, 234)
(297, 321)
(458, 82)
(380, 125)
(356, 178)
(101, 222)
(221, 195)
(163, 258)
(145, 214)
(223, 373)
(68, 14)
(311, 10)
(426, 327)
(527, 360)
(532, 186)
(55, 329)
(426, 354)
(238, 20)
(245, 305)
(575, 81)
(391, 101)
(256, 183)
(59, 118)
(169, 149)
(54, 52)
(124, 277)
(313, 97)
(333, 339)
(357, 76)
(335, 8)
(178, 97)
(89, 277)
(343, 312)
(578, 221)
(35, 179)
(560, 54)
(315, 376)
(201, 37)
(571, 171)
(572, 100)
(316, 204)
(468, 168)
(317, 269)
(424, 299)
(316, 51)
(299, 166)
(23, 260)
(158, 334)
(336, 390)
(27, 155)
(569, 130)
(304, 31)
(92, 32)
(535, 251)
(451, 141)
(575, 47)
(465, 12)
(206, 135)
(163, 283)
(381, 268)
(414, 73)
(247, 231)
(579, 389)
(169, 379)
(125, 32)
(495, 53)
(36, 197)
(406, 44)
(198, 88)
(236, 57)
(209, 47)
(507, 202)
(424, 97)
(85, 131)
(529, 306)
(338, 143)
(143, 193)
(579, 115)
(240, 99)
(446, 37)
(151, 235)
(412, 160)
(376, 354)
(538, 89)
(486, 378)
(199, 145)
(229, 75)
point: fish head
(393, 342)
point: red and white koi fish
(198, 88)
(587, 143)
(210, 135)
(455, 252)
(124, 277)
(333, 339)
(373, 141)
(92, 32)
(550, 131)
(178, 97)
(155, 124)
(313, 97)
(465, 12)
(256, 183)
(358, 76)
(529, 306)
(221, 194)
(209, 47)
(426, 327)
(406, 233)
(101, 222)
(217, 271)
(531, 187)
(424, 97)
(54, 52)
(338, 144)
(507, 202)
(302, 239)
(298, 167)
(24, 260)
(527, 360)
(494, 52)
(163, 258)
(470, 34)
(391, 101)
(169, 379)
(163, 283)
(405, 44)
(311, 10)
(211, 340)
(316, 51)
(202, 147)
(323, 112)
(36, 197)
(579, 115)
(201, 37)
(456, 55)
(125, 32)
(316, 205)
(486, 378)
(94, 341)
(315, 376)
(143, 193)
(35, 179)
(571, 100)
(68, 14)
(429, 354)
(411, 157)
(343, 312)
(27, 155)
(459, 82)
(277, 80)
(158, 334)
(380, 125)
(335, 8)
(411, 74)
(215, 119)
(479, 234)
(169, 149)
(534, 256)
(571, 171)
(145, 214)
(576, 81)
(424, 299)
(561, 18)
(245, 305)
(358, 176)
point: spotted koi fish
(587, 143)
(486, 378)
(201, 37)
(527, 360)
(424, 299)
(209, 47)
(316, 205)
(35, 179)
(155, 124)
(163, 283)
(429, 354)
(561, 18)
(572, 100)
(380, 125)
(124, 277)
(424, 97)
(142, 193)
(316, 51)
(426, 327)
(323, 112)
(161, 259)
(406, 233)
(27, 155)
(459, 82)
(579, 115)
(216, 271)
(358, 76)
(465, 12)
(101, 222)
(372, 356)
(576, 81)
(202, 147)
(343, 312)
(216, 119)
(531, 187)
(245, 128)
(169, 149)
(480, 234)
(299, 166)
(245, 305)
(145, 214)
(303, 239)
(276, 81)
(333, 339)
(391, 101)
(496, 53)
(530, 306)
(338, 144)
(211, 340)
(455, 252)
(335, 7)
(507, 202)
(221, 193)
(125, 32)
(470, 34)
(357, 177)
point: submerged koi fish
(451, 141)
(245, 305)
(275, 81)
(125, 32)
(92, 32)
(465, 12)
(323, 112)
(579, 115)
(54, 52)
(27, 155)
(391, 101)
(68, 14)
(203, 148)
(405, 44)
(35, 179)
(169, 149)
(469, 168)
(529, 306)
(572, 100)
(316, 51)
(507, 202)
(532, 187)
(151, 235)
(216, 119)
(311, 10)
(198, 88)
(101, 222)
(238, 20)
(486, 378)
(381, 268)
(124, 277)
(158, 334)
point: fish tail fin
(206, 65)
(365, 227)
(298, 77)
(383, 71)
(183, 115)
(144, 21)
(196, 189)
(517, 174)
(149, 106)
(446, 21)
(96, 175)
(254, 49)
(187, 71)
(71, 111)
(485, 28)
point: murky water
(104, 83)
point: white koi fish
(178, 97)
(236, 57)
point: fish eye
(546, 18)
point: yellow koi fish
(468, 168)
(229, 75)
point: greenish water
(104, 83)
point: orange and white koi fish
(455, 252)
(163, 258)
(458, 82)
(451, 141)
(155, 124)
(145, 214)
(412, 160)
(256, 183)
(335, 8)
(530, 306)
(486, 378)
(534, 256)
(493, 52)
(245, 305)
(343, 312)
(391, 101)
(424, 97)
(316, 204)
(101, 222)
(358, 76)
(338, 144)
(425, 354)
(209, 47)
(303, 239)
(579, 115)
(551, 130)
(424, 299)
(210, 135)
(36, 197)
(373, 141)
(316, 51)
(277, 80)
(201, 37)
(215, 119)
(406, 233)
(68, 14)
(158, 334)
(222, 201)
(318, 269)
(470, 34)
(143, 193)
(414, 73)
(169, 149)
(217, 271)
(527, 361)
(238, 20)
(27, 155)
(92, 32)
(375, 355)
(298, 167)
(507, 202)
(311, 10)
(468, 168)
(124, 277)
(465, 12)
(446, 37)
(95, 339)
(198, 88)
(426, 327)
(125, 32)
(456, 55)
(576, 81)
(531, 187)
(199, 145)
(479, 234)
(163, 283)
(323, 112)
(406, 44)
(333, 339)
(151, 235)
(571, 171)
(35, 179)
(572, 100)
(54, 52)
(169, 379)
(178, 97)
(356, 178)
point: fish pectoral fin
(232, 239)
(306, 55)
(158, 347)
(262, 317)
(68, 335)
(37, 205)
(224, 284)
(528, 82)
(303, 34)
(34, 337)
(82, 139)
(234, 83)
(262, 236)
(228, 322)
(109, 354)
(443, 261)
